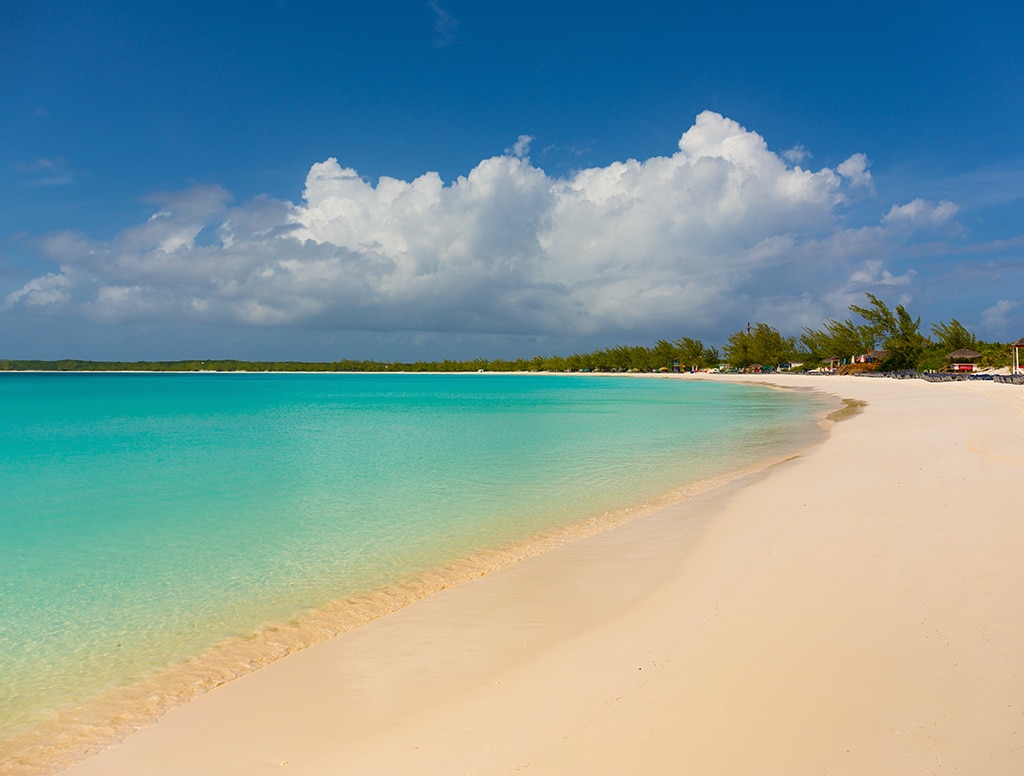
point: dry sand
(856, 610)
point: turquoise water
(145, 518)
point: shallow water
(146, 518)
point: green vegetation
(898, 334)
(759, 345)
(837, 339)
(690, 353)
(893, 331)
(954, 336)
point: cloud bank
(720, 232)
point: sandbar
(853, 610)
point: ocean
(146, 519)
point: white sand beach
(854, 610)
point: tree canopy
(837, 339)
(761, 344)
(688, 352)
(899, 334)
(954, 336)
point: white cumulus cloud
(872, 273)
(997, 317)
(690, 241)
(50, 289)
(855, 169)
(920, 213)
(797, 154)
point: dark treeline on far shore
(620, 359)
(891, 335)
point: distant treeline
(622, 358)
(893, 331)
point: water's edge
(76, 733)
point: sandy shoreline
(854, 610)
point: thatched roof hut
(832, 362)
(963, 354)
(962, 360)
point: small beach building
(831, 364)
(1017, 347)
(963, 360)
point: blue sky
(449, 179)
